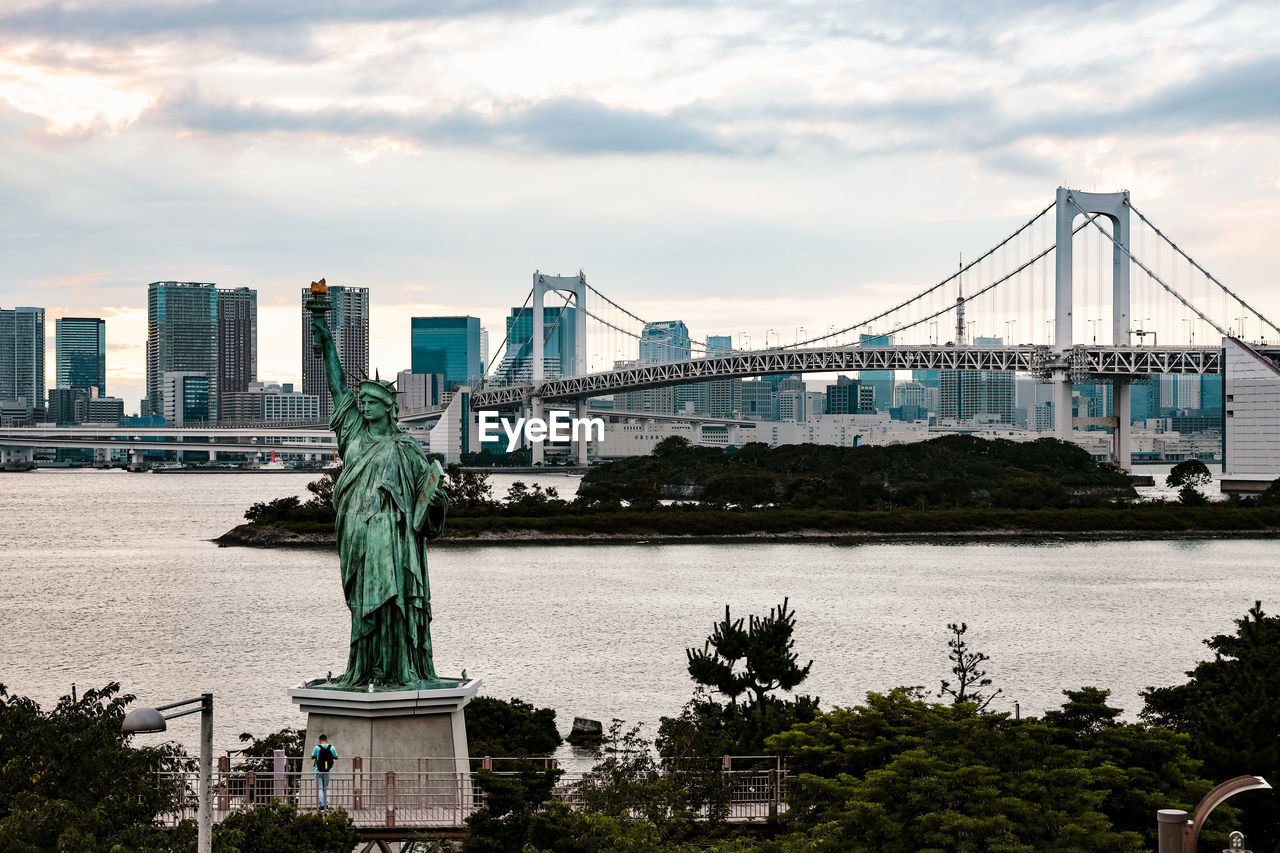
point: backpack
(324, 758)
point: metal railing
(410, 793)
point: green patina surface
(389, 501)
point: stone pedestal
(402, 750)
(387, 728)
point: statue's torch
(318, 304)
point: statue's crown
(383, 389)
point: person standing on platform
(322, 759)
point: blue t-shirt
(315, 756)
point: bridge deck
(1082, 361)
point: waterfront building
(349, 322)
(664, 341)
(911, 393)
(81, 353)
(881, 380)
(22, 389)
(759, 400)
(724, 396)
(850, 397)
(1251, 414)
(182, 337)
(981, 396)
(271, 402)
(68, 406)
(237, 340)
(105, 410)
(419, 390)
(447, 345)
(928, 378)
(188, 398)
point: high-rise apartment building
(451, 346)
(983, 396)
(182, 337)
(22, 361)
(349, 321)
(881, 380)
(846, 397)
(237, 340)
(188, 400)
(663, 341)
(81, 347)
(724, 396)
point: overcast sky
(738, 166)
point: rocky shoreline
(254, 536)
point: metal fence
(410, 793)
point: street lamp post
(143, 720)
(1175, 833)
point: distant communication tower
(960, 309)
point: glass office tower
(450, 346)
(81, 344)
(182, 336)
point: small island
(954, 487)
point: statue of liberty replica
(389, 500)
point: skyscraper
(724, 396)
(559, 338)
(237, 340)
(22, 360)
(663, 341)
(983, 396)
(81, 344)
(881, 380)
(349, 322)
(447, 345)
(182, 337)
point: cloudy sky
(736, 165)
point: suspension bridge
(1087, 289)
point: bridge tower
(1114, 206)
(577, 286)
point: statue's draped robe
(385, 513)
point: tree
(970, 679)
(741, 488)
(899, 774)
(1230, 708)
(69, 780)
(322, 489)
(505, 728)
(753, 660)
(279, 827)
(1188, 472)
(467, 490)
(764, 647)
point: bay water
(110, 576)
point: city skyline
(696, 162)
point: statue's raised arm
(323, 344)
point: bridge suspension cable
(1006, 277)
(1207, 274)
(692, 343)
(957, 274)
(502, 347)
(1149, 272)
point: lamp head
(143, 720)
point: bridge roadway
(1080, 361)
(228, 439)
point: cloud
(560, 125)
